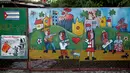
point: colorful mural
(80, 33)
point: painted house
(109, 23)
(55, 17)
(38, 24)
(47, 21)
(93, 23)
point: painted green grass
(54, 29)
(81, 45)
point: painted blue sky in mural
(33, 13)
(120, 13)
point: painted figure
(63, 44)
(122, 26)
(118, 44)
(66, 19)
(49, 41)
(90, 41)
(106, 43)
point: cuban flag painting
(12, 15)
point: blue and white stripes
(12, 15)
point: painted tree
(111, 13)
(84, 14)
(41, 14)
(98, 15)
(126, 45)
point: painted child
(49, 41)
(106, 42)
(63, 44)
(118, 44)
(90, 41)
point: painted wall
(13, 21)
(104, 32)
(77, 22)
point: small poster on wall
(13, 47)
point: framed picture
(14, 47)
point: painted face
(105, 35)
(47, 32)
(62, 36)
(118, 37)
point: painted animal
(126, 55)
(75, 54)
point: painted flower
(39, 41)
(126, 38)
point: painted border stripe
(12, 17)
(12, 12)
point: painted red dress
(105, 37)
(90, 47)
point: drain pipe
(2, 6)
